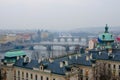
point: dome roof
(106, 36)
(15, 53)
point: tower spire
(106, 28)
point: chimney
(39, 60)
(79, 55)
(21, 56)
(96, 49)
(66, 63)
(61, 64)
(87, 57)
(76, 56)
(70, 57)
(51, 60)
(17, 57)
(113, 55)
(91, 56)
(86, 51)
(42, 59)
(100, 53)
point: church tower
(105, 40)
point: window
(87, 71)
(14, 78)
(109, 65)
(22, 74)
(47, 78)
(87, 78)
(114, 66)
(18, 73)
(81, 71)
(14, 74)
(26, 75)
(31, 76)
(119, 66)
(114, 72)
(103, 36)
(41, 77)
(35, 77)
(81, 78)
(18, 78)
(41, 67)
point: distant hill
(96, 29)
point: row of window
(114, 66)
(27, 76)
(111, 66)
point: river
(41, 52)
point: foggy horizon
(58, 14)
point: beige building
(70, 67)
(92, 43)
(7, 38)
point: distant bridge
(53, 44)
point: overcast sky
(58, 14)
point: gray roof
(115, 56)
(54, 67)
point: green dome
(106, 37)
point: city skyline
(58, 15)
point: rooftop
(54, 66)
(14, 53)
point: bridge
(46, 43)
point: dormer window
(41, 67)
(63, 62)
(103, 36)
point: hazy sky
(58, 14)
